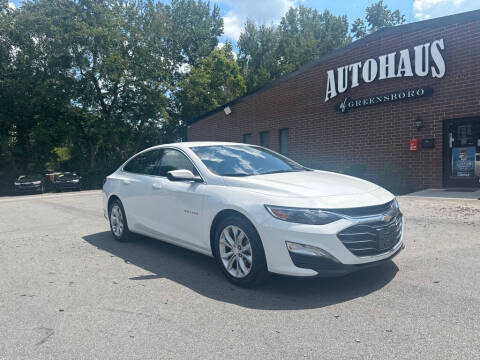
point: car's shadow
(201, 274)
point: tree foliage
(258, 54)
(95, 76)
(214, 82)
(304, 34)
(378, 16)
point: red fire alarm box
(413, 144)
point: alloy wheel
(116, 220)
(235, 251)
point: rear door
(136, 183)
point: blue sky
(235, 12)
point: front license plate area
(385, 238)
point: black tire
(259, 271)
(125, 234)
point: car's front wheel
(239, 252)
(118, 221)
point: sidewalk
(472, 194)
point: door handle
(157, 186)
(126, 182)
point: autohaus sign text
(427, 60)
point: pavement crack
(46, 332)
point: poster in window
(463, 162)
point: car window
(145, 163)
(244, 160)
(175, 160)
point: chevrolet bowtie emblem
(387, 218)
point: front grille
(363, 211)
(373, 238)
(28, 186)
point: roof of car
(190, 144)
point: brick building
(405, 99)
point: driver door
(179, 204)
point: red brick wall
(377, 135)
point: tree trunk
(92, 155)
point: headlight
(302, 216)
(395, 204)
(36, 182)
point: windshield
(244, 160)
(34, 177)
(67, 176)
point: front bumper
(28, 188)
(67, 185)
(275, 233)
(329, 268)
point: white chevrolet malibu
(255, 211)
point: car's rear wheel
(118, 221)
(239, 252)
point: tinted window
(174, 160)
(145, 163)
(244, 160)
(265, 139)
(283, 141)
(247, 138)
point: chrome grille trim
(358, 238)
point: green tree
(196, 29)
(306, 35)
(95, 77)
(258, 54)
(378, 16)
(214, 82)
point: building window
(265, 139)
(283, 141)
(247, 138)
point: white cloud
(427, 9)
(260, 11)
(11, 6)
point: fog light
(302, 249)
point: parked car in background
(67, 181)
(33, 183)
(255, 211)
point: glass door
(462, 153)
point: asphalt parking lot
(69, 291)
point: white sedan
(255, 211)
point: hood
(303, 184)
(28, 179)
(67, 178)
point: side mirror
(182, 175)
